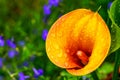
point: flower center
(83, 57)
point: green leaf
(26, 53)
(94, 75)
(105, 69)
(115, 12)
(68, 76)
(114, 15)
(117, 64)
(115, 38)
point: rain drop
(56, 46)
(52, 57)
(60, 54)
(66, 64)
(53, 35)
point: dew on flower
(59, 39)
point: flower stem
(9, 73)
(117, 63)
(94, 75)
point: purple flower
(11, 44)
(53, 2)
(22, 76)
(44, 34)
(2, 41)
(26, 63)
(38, 72)
(1, 62)
(46, 9)
(21, 43)
(12, 53)
(109, 4)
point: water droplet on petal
(67, 50)
(66, 64)
(52, 57)
(56, 46)
(60, 54)
(48, 49)
(59, 34)
(63, 19)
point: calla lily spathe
(78, 41)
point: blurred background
(24, 25)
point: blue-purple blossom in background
(1, 62)
(109, 4)
(26, 63)
(46, 9)
(44, 34)
(10, 43)
(2, 42)
(21, 43)
(22, 76)
(53, 2)
(38, 72)
(12, 53)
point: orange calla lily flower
(78, 41)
